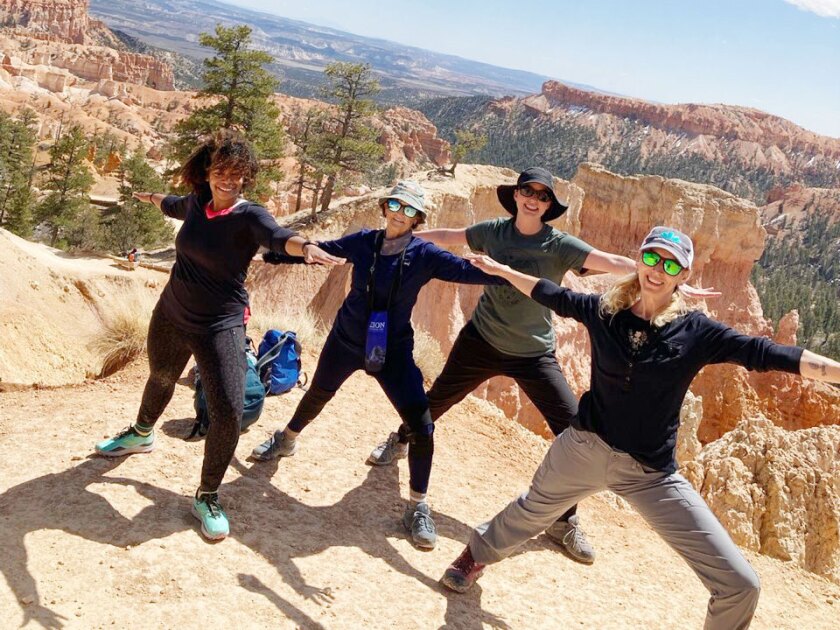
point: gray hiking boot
(571, 539)
(418, 520)
(275, 446)
(389, 451)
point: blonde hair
(626, 292)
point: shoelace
(424, 521)
(127, 431)
(213, 505)
(577, 537)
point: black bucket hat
(532, 175)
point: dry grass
(304, 323)
(123, 336)
(428, 355)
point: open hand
(487, 264)
(699, 293)
(314, 255)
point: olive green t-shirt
(508, 320)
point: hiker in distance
(372, 331)
(647, 346)
(510, 334)
(203, 308)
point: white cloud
(823, 8)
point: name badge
(376, 342)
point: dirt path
(316, 540)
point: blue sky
(781, 56)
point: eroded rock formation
(776, 491)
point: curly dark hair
(226, 151)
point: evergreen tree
(347, 143)
(240, 90)
(67, 181)
(133, 223)
(17, 140)
(466, 142)
(303, 131)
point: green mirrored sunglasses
(671, 267)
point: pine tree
(17, 140)
(240, 87)
(348, 143)
(466, 143)
(304, 127)
(67, 181)
(133, 223)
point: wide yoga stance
(510, 335)
(201, 311)
(372, 331)
(646, 349)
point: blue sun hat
(673, 241)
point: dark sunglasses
(671, 267)
(395, 205)
(541, 195)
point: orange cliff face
(721, 121)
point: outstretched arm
(604, 262)
(813, 365)
(444, 237)
(521, 281)
(148, 197)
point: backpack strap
(272, 353)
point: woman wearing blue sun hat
(372, 332)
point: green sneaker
(207, 509)
(127, 442)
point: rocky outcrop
(55, 34)
(741, 123)
(776, 491)
(408, 136)
(787, 207)
(64, 19)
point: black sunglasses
(541, 195)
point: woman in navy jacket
(372, 331)
(646, 349)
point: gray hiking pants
(578, 464)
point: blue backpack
(280, 365)
(255, 392)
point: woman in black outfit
(203, 307)
(646, 349)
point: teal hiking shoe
(207, 509)
(127, 442)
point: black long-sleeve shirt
(206, 289)
(640, 373)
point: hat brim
(505, 195)
(407, 199)
(679, 256)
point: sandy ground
(316, 540)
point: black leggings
(402, 382)
(473, 361)
(220, 357)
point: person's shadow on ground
(267, 520)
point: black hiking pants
(402, 382)
(221, 361)
(473, 361)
